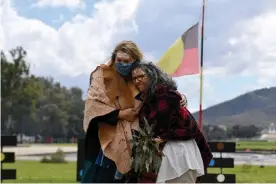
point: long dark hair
(157, 77)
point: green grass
(35, 172)
(250, 174)
(256, 145)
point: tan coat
(108, 92)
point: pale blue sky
(66, 39)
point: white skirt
(179, 157)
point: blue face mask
(123, 68)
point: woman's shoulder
(96, 74)
(100, 68)
(162, 90)
(102, 71)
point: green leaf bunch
(147, 156)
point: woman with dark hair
(110, 114)
(186, 152)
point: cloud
(254, 48)
(59, 3)
(78, 45)
(227, 24)
(239, 43)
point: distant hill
(257, 107)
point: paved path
(239, 159)
(35, 152)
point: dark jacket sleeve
(92, 143)
(111, 118)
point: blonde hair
(125, 46)
(130, 48)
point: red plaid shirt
(173, 122)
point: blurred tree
(37, 106)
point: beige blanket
(108, 92)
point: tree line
(40, 106)
(37, 106)
(214, 132)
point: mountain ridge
(256, 107)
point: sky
(67, 39)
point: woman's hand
(158, 140)
(183, 101)
(129, 114)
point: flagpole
(201, 67)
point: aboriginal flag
(182, 57)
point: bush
(45, 160)
(57, 157)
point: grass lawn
(250, 174)
(35, 172)
(256, 145)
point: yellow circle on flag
(2, 156)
